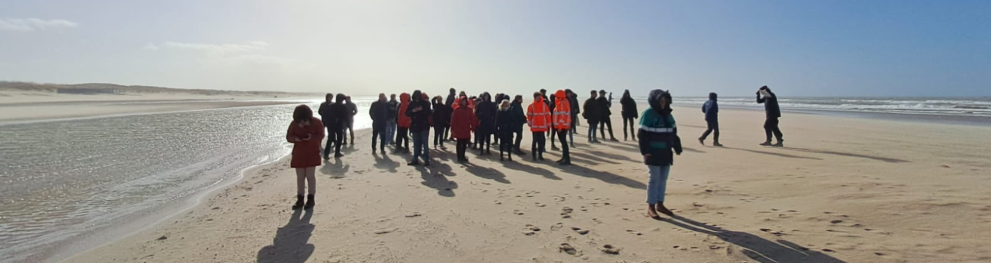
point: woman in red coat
(463, 122)
(305, 133)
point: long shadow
(290, 243)
(883, 159)
(756, 247)
(775, 154)
(611, 156)
(623, 146)
(530, 169)
(486, 172)
(690, 149)
(584, 156)
(602, 176)
(336, 169)
(433, 177)
(384, 162)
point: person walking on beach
(770, 101)
(485, 111)
(463, 122)
(442, 121)
(658, 137)
(305, 133)
(403, 121)
(379, 112)
(337, 121)
(390, 127)
(592, 114)
(419, 113)
(562, 123)
(605, 115)
(505, 126)
(519, 119)
(539, 119)
(629, 114)
(352, 110)
(324, 111)
(711, 110)
(573, 100)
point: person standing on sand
(390, 126)
(463, 122)
(629, 114)
(519, 119)
(711, 110)
(403, 121)
(605, 113)
(419, 115)
(539, 119)
(450, 105)
(573, 100)
(352, 110)
(442, 121)
(658, 137)
(505, 126)
(592, 115)
(562, 123)
(485, 111)
(379, 112)
(305, 133)
(337, 121)
(770, 101)
(324, 112)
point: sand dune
(844, 190)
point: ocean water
(69, 184)
(975, 107)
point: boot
(309, 202)
(781, 143)
(299, 202)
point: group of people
(461, 116)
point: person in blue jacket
(711, 110)
(659, 142)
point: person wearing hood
(485, 111)
(711, 110)
(442, 122)
(538, 117)
(629, 114)
(770, 101)
(592, 114)
(562, 123)
(403, 121)
(305, 133)
(324, 112)
(573, 100)
(419, 113)
(337, 121)
(391, 125)
(505, 127)
(605, 113)
(658, 138)
(379, 112)
(519, 119)
(463, 122)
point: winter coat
(505, 122)
(538, 116)
(770, 105)
(658, 134)
(324, 110)
(561, 111)
(519, 118)
(711, 110)
(463, 122)
(337, 116)
(305, 153)
(592, 113)
(403, 120)
(442, 115)
(450, 100)
(629, 107)
(485, 111)
(393, 110)
(573, 100)
(379, 112)
(604, 108)
(420, 120)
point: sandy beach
(843, 190)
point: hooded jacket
(419, 120)
(538, 116)
(337, 115)
(711, 108)
(629, 107)
(463, 122)
(592, 113)
(403, 120)
(393, 110)
(770, 105)
(561, 111)
(505, 122)
(450, 100)
(442, 115)
(658, 134)
(485, 111)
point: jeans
(633, 124)
(658, 183)
(390, 131)
(402, 137)
(606, 124)
(420, 145)
(562, 135)
(713, 126)
(591, 131)
(771, 126)
(379, 132)
(537, 145)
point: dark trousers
(505, 142)
(336, 135)
(563, 136)
(713, 126)
(553, 133)
(330, 141)
(440, 134)
(462, 147)
(447, 130)
(484, 141)
(606, 121)
(633, 125)
(539, 141)
(378, 132)
(771, 126)
(519, 138)
(402, 138)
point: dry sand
(843, 190)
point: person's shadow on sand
(755, 247)
(384, 162)
(290, 244)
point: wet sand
(843, 190)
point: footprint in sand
(570, 250)
(414, 214)
(517, 212)
(540, 205)
(580, 231)
(610, 249)
(557, 226)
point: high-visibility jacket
(562, 111)
(404, 121)
(538, 116)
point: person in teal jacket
(659, 142)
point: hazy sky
(797, 47)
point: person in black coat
(605, 113)
(629, 114)
(505, 127)
(338, 115)
(485, 111)
(324, 112)
(442, 122)
(450, 105)
(419, 113)
(575, 110)
(519, 117)
(592, 114)
(770, 101)
(380, 114)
